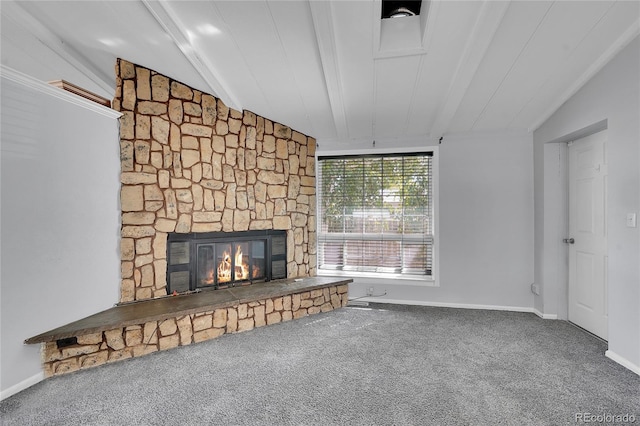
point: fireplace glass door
(220, 260)
(224, 264)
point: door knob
(568, 240)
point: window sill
(417, 280)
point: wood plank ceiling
(334, 69)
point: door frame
(568, 247)
(555, 253)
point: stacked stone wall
(191, 164)
(136, 340)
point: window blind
(376, 213)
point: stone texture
(196, 130)
(169, 342)
(149, 333)
(176, 113)
(137, 231)
(138, 218)
(128, 95)
(114, 339)
(127, 123)
(300, 313)
(189, 158)
(147, 275)
(287, 316)
(127, 248)
(184, 224)
(185, 329)
(126, 155)
(159, 88)
(193, 109)
(191, 164)
(139, 340)
(127, 286)
(220, 318)
(211, 333)
(137, 178)
(274, 318)
(168, 327)
(243, 310)
(281, 131)
(202, 322)
(120, 355)
(143, 83)
(160, 130)
(133, 336)
(223, 110)
(141, 350)
(245, 324)
(152, 108)
(181, 91)
(259, 316)
(73, 351)
(90, 339)
(272, 178)
(232, 320)
(209, 110)
(67, 366)
(131, 198)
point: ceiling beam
(325, 36)
(162, 13)
(15, 11)
(478, 42)
(432, 9)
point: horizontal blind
(376, 213)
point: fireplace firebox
(213, 260)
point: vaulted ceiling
(334, 69)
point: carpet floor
(383, 365)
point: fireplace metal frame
(182, 257)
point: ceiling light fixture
(401, 12)
(400, 8)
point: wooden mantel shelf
(159, 309)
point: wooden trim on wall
(65, 85)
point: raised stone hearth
(140, 328)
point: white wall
(611, 99)
(59, 218)
(485, 226)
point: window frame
(397, 278)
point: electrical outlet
(631, 220)
(370, 291)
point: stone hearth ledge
(140, 328)
(145, 311)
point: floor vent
(358, 303)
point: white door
(588, 229)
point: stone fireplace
(192, 165)
(211, 198)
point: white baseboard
(447, 305)
(622, 361)
(21, 386)
(545, 316)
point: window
(376, 214)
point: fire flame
(241, 268)
(228, 271)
